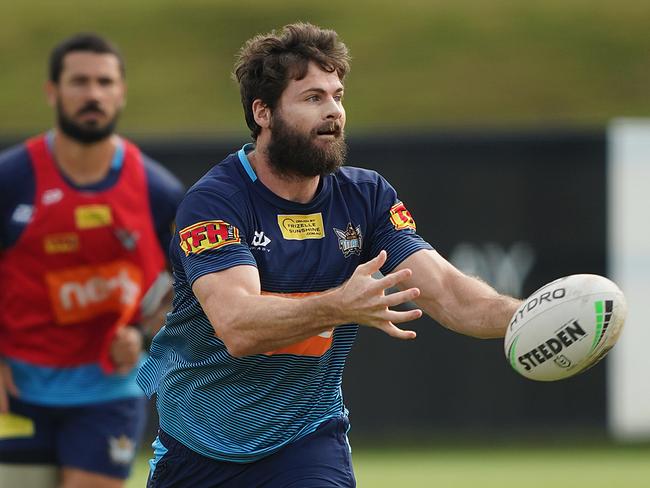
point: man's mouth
(333, 130)
(92, 110)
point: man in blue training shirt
(273, 261)
(85, 222)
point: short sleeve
(165, 194)
(394, 228)
(211, 232)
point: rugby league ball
(565, 327)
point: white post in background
(628, 373)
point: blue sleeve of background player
(17, 187)
(211, 233)
(165, 194)
(394, 228)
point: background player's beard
(293, 154)
(85, 134)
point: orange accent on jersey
(211, 234)
(85, 292)
(313, 346)
(401, 217)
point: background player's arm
(459, 302)
(251, 323)
(7, 387)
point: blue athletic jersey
(243, 409)
(88, 383)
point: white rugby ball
(565, 327)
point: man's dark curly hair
(84, 42)
(267, 62)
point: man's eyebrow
(319, 90)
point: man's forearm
(256, 324)
(471, 307)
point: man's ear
(261, 113)
(50, 88)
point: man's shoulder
(15, 165)
(355, 175)
(160, 179)
(222, 179)
(14, 156)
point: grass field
(512, 467)
(415, 63)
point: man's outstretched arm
(459, 302)
(251, 323)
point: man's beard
(295, 155)
(84, 133)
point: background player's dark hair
(267, 62)
(81, 42)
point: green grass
(499, 467)
(415, 62)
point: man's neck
(295, 189)
(84, 164)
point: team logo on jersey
(301, 227)
(61, 243)
(128, 239)
(401, 217)
(121, 449)
(85, 292)
(93, 216)
(350, 240)
(207, 235)
(260, 240)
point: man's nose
(334, 110)
(93, 91)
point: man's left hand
(126, 348)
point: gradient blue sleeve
(212, 234)
(393, 230)
(165, 194)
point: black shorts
(101, 438)
(320, 460)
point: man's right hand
(7, 387)
(362, 299)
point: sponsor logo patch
(22, 213)
(401, 217)
(52, 196)
(61, 243)
(210, 234)
(350, 240)
(85, 292)
(15, 426)
(301, 227)
(93, 216)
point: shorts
(320, 460)
(100, 438)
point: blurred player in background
(273, 261)
(85, 221)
